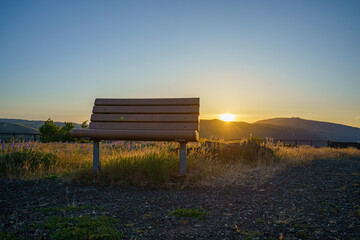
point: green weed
(9, 236)
(82, 228)
(337, 208)
(249, 235)
(190, 213)
(51, 177)
(301, 234)
(260, 220)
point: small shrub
(254, 154)
(11, 163)
(337, 208)
(251, 152)
(50, 132)
(82, 228)
(260, 220)
(191, 213)
(256, 140)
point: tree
(49, 131)
(84, 124)
(65, 132)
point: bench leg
(96, 157)
(182, 158)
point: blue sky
(255, 59)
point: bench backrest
(175, 114)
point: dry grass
(301, 154)
(152, 163)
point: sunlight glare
(227, 117)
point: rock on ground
(320, 200)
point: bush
(65, 132)
(50, 132)
(250, 152)
(11, 163)
(257, 140)
(253, 154)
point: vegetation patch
(357, 208)
(155, 163)
(301, 234)
(9, 236)
(81, 228)
(189, 213)
(322, 210)
(13, 162)
(249, 235)
(51, 177)
(337, 208)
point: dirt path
(320, 200)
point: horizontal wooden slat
(146, 109)
(144, 135)
(145, 118)
(146, 102)
(143, 126)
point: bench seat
(161, 119)
(144, 135)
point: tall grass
(308, 153)
(147, 163)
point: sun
(227, 117)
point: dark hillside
(238, 130)
(280, 128)
(332, 131)
(31, 123)
(277, 128)
(16, 128)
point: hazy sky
(256, 59)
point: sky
(255, 59)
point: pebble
(288, 210)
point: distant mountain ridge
(277, 128)
(16, 128)
(280, 128)
(8, 125)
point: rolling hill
(32, 124)
(277, 128)
(280, 128)
(16, 128)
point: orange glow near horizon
(227, 117)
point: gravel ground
(319, 200)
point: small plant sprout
(190, 213)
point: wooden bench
(164, 119)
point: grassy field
(153, 163)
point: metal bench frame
(161, 119)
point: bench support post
(96, 157)
(182, 158)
